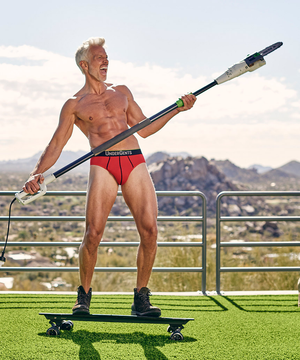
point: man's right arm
(53, 150)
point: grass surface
(234, 327)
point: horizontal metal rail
(260, 268)
(83, 193)
(103, 243)
(258, 193)
(260, 243)
(198, 244)
(219, 244)
(99, 269)
(110, 218)
(259, 218)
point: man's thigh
(139, 194)
(101, 195)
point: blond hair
(82, 51)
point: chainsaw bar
(270, 48)
(250, 60)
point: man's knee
(149, 233)
(92, 238)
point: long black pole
(125, 134)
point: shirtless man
(101, 111)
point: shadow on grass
(206, 304)
(275, 308)
(196, 304)
(149, 343)
(224, 308)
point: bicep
(134, 112)
(135, 115)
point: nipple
(90, 118)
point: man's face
(98, 62)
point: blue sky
(160, 50)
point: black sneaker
(141, 304)
(83, 301)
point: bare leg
(102, 192)
(140, 197)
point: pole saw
(250, 63)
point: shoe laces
(82, 297)
(145, 297)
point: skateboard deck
(65, 322)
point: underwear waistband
(120, 152)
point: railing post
(204, 224)
(218, 247)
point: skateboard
(65, 322)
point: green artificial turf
(233, 327)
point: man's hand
(189, 101)
(31, 186)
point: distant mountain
(162, 155)
(253, 176)
(260, 168)
(20, 165)
(275, 174)
(182, 154)
(156, 157)
(236, 173)
(26, 165)
(292, 167)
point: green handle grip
(179, 103)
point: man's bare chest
(94, 107)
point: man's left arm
(135, 114)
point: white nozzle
(1, 263)
(239, 69)
(25, 198)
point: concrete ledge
(258, 292)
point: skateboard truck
(55, 328)
(176, 332)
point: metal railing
(201, 218)
(219, 244)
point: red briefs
(119, 163)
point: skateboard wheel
(176, 335)
(66, 325)
(53, 331)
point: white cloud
(247, 112)
(34, 93)
(296, 104)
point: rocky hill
(191, 173)
(212, 177)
